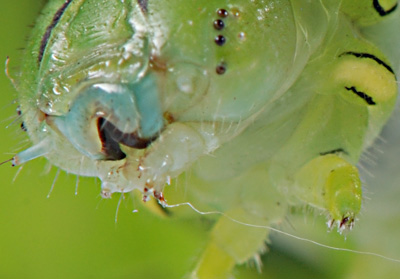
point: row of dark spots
(220, 40)
(219, 25)
(22, 125)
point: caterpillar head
(139, 91)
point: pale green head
(138, 91)
(107, 92)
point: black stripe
(381, 11)
(365, 97)
(46, 36)
(143, 5)
(335, 151)
(369, 56)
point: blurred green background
(75, 236)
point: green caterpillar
(261, 105)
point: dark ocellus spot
(23, 127)
(219, 24)
(221, 68)
(222, 13)
(220, 40)
(49, 29)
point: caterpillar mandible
(260, 105)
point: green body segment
(256, 105)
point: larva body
(259, 107)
